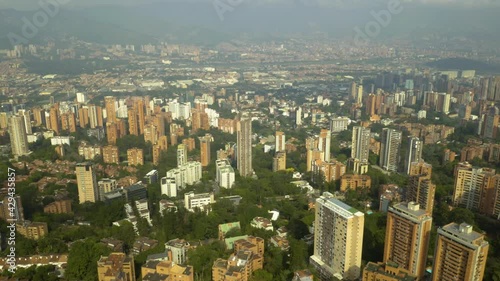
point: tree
(82, 260)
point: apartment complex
(338, 239)
(32, 230)
(460, 254)
(110, 154)
(135, 157)
(18, 136)
(389, 271)
(154, 270)
(248, 257)
(106, 185)
(205, 149)
(186, 174)
(413, 153)
(360, 149)
(469, 184)
(200, 201)
(225, 175)
(279, 161)
(244, 147)
(354, 182)
(58, 207)
(87, 183)
(407, 237)
(116, 266)
(389, 149)
(420, 187)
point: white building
(339, 124)
(81, 98)
(168, 187)
(169, 206)
(225, 175)
(422, 114)
(143, 209)
(201, 201)
(60, 140)
(187, 174)
(262, 223)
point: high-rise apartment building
(407, 237)
(116, 266)
(54, 119)
(95, 116)
(205, 149)
(469, 184)
(339, 124)
(244, 147)
(324, 144)
(460, 254)
(280, 141)
(133, 122)
(279, 161)
(135, 156)
(88, 190)
(224, 173)
(360, 144)
(18, 137)
(338, 239)
(389, 149)
(110, 105)
(181, 155)
(110, 154)
(414, 153)
(420, 187)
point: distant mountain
(189, 22)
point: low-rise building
(354, 182)
(262, 223)
(201, 201)
(58, 207)
(116, 266)
(32, 230)
(154, 270)
(142, 244)
(389, 271)
(227, 227)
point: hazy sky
(33, 4)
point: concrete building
(389, 271)
(389, 149)
(168, 187)
(331, 171)
(460, 254)
(407, 237)
(225, 175)
(354, 182)
(135, 157)
(339, 124)
(181, 155)
(18, 137)
(244, 147)
(110, 154)
(279, 161)
(338, 239)
(469, 183)
(324, 143)
(58, 207)
(248, 257)
(414, 153)
(187, 174)
(106, 185)
(422, 191)
(179, 249)
(200, 201)
(360, 145)
(116, 266)
(32, 230)
(88, 190)
(262, 223)
(280, 141)
(110, 105)
(154, 270)
(7, 212)
(205, 149)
